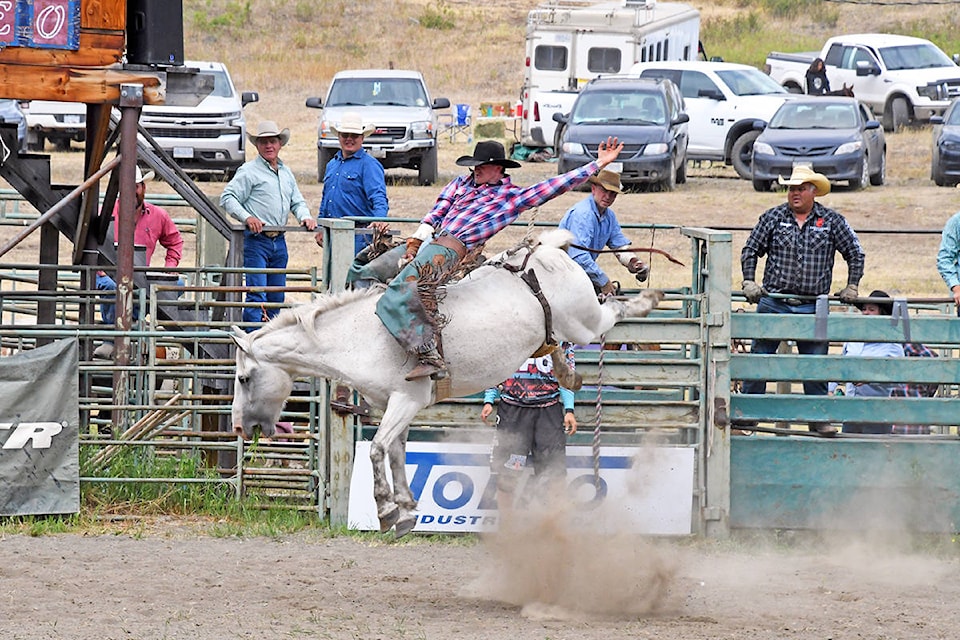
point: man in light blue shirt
(595, 226)
(353, 183)
(264, 193)
(948, 256)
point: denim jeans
(108, 310)
(805, 347)
(261, 252)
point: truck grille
(186, 132)
(804, 151)
(386, 134)
(629, 150)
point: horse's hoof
(405, 526)
(388, 519)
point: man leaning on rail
(800, 239)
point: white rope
(598, 413)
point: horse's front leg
(393, 426)
(401, 488)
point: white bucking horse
(493, 323)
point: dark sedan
(837, 137)
(945, 165)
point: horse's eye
(243, 379)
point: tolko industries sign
(45, 24)
(645, 490)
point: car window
(914, 56)
(366, 92)
(749, 82)
(818, 115)
(221, 84)
(641, 107)
(603, 60)
(693, 82)
(954, 116)
(550, 58)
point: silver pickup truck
(397, 103)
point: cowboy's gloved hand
(849, 294)
(752, 291)
(609, 289)
(639, 268)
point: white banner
(646, 490)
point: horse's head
(259, 391)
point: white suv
(397, 104)
(724, 100)
(58, 122)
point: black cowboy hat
(487, 152)
(886, 308)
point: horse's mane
(324, 302)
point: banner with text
(39, 431)
(645, 490)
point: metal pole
(131, 99)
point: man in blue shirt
(353, 183)
(264, 192)
(595, 226)
(948, 257)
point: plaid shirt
(474, 213)
(800, 259)
(915, 390)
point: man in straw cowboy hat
(595, 226)
(800, 239)
(353, 183)
(263, 193)
(154, 226)
(469, 211)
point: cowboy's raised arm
(608, 151)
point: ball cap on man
(487, 152)
(269, 129)
(609, 180)
(352, 122)
(803, 174)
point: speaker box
(155, 32)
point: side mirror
(936, 119)
(315, 103)
(871, 124)
(712, 94)
(249, 96)
(680, 119)
(560, 117)
(441, 103)
(865, 68)
(759, 125)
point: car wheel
(323, 158)
(861, 182)
(936, 173)
(682, 172)
(669, 182)
(741, 154)
(880, 176)
(761, 185)
(897, 115)
(428, 173)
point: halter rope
(598, 413)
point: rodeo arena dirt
(163, 578)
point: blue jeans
(261, 252)
(805, 347)
(108, 310)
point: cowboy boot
(429, 363)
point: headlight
(573, 149)
(933, 91)
(325, 132)
(762, 148)
(848, 147)
(422, 129)
(950, 145)
(656, 149)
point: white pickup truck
(903, 78)
(725, 101)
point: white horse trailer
(569, 43)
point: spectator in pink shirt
(154, 226)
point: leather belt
(450, 241)
(272, 234)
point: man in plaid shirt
(800, 239)
(469, 211)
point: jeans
(261, 252)
(108, 310)
(805, 347)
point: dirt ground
(172, 583)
